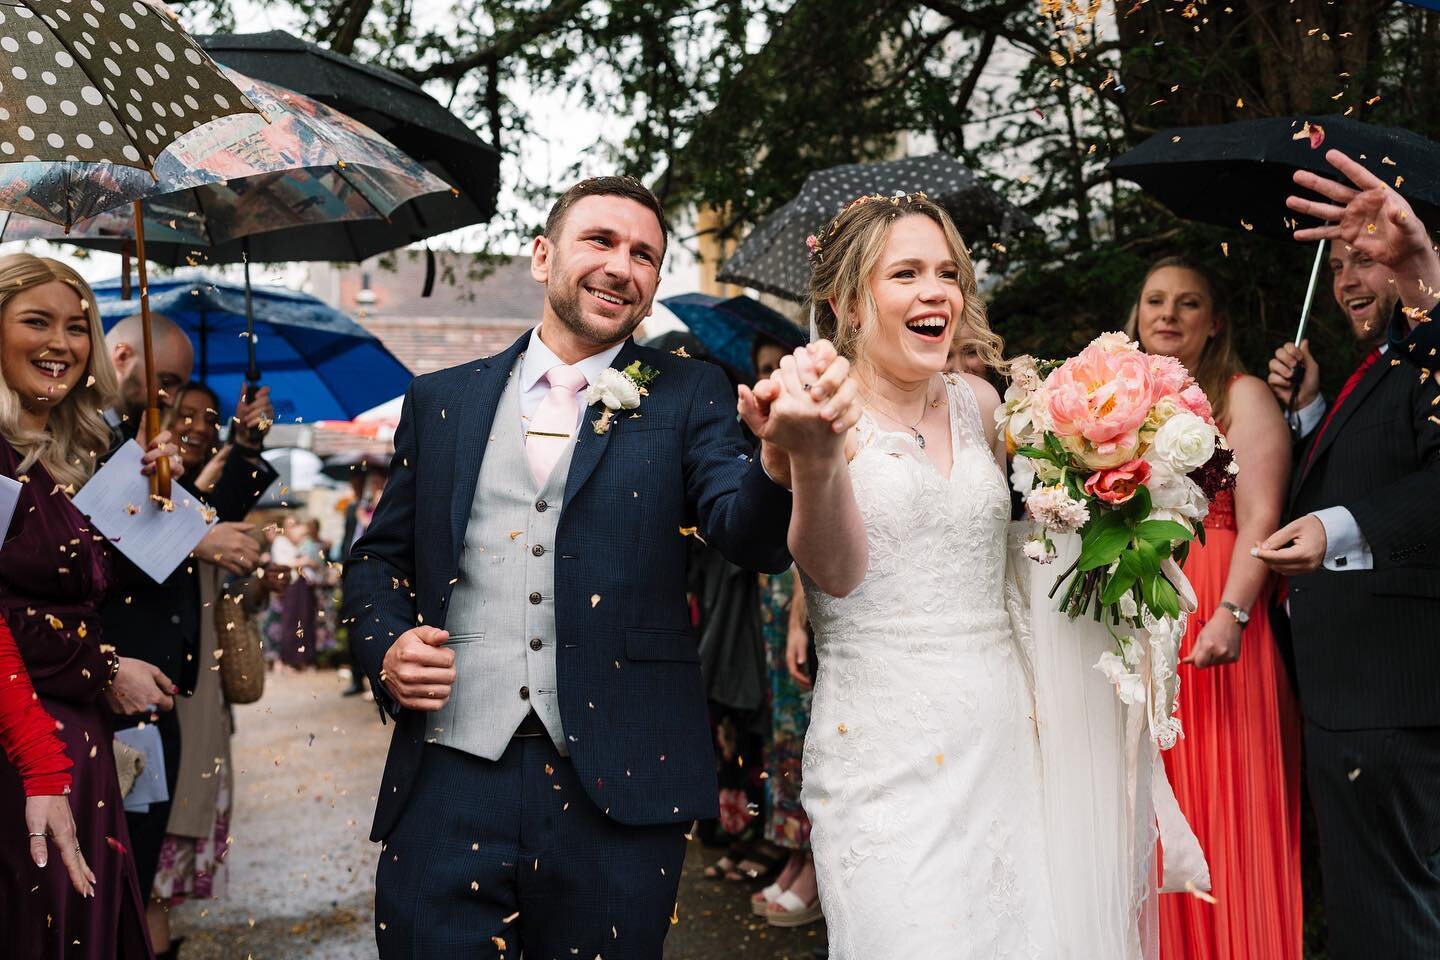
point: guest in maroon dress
(53, 574)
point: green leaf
(1163, 532)
(1137, 508)
(1102, 540)
(1123, 578)
(1150, 557)
(1057, 450)
(1035, 453)
(1167, 601)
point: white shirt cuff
(1311, 414)
(1345, 546)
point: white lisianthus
(1128, 608)
(1185, 442)
(1024, 376)
(1129, 687)
(1039, 550)
(1054, 509)
(615, 390)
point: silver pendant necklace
(912, 427)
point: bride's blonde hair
(843, 256)
(76, 434)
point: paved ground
(301, 870)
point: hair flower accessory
(815, 242)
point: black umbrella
(774, 258)
(1239, 174)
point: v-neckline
(909, 437)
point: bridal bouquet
(1120, 447)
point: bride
(936, 825)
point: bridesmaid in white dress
(922, 768)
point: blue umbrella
(319, 364)
(728, 328)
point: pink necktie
(554, 423)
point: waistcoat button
(536, 643)
(534, 598)
(524, 693)
(541, 506)
(538, 550)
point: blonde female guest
(922, 775)
(54, 571)
(1236, 773)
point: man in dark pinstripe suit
(1363, 556)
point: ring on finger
(33, 835)
(807, 387)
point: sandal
(761, 864)
(760, 902)
(789, 910)
(728, 866)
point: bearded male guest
(518, 602)
(1363, 556)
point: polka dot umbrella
(103, 82)
(775, 260)
(113, 81)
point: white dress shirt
(537, 361)
(1345, 546)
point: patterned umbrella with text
(105, 81)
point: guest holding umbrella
(56, 377)
(1361, 555)
(1237, 772)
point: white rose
(615, 390)
(1129, 687)
(1185, 442)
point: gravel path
(307, 764)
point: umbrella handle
(1310, 291)
(160, 479)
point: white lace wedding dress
(922, 771)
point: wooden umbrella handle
(160, 479)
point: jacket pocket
(678, 645)
(1408, 582)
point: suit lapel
(474, 419)
(589, 445)
(1363, 389)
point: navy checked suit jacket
(631, 697)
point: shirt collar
(539, 359)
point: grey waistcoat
(502, 612)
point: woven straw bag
(239, 648)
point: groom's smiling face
(601, 271)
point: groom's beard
(564, 295)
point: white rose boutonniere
(619, 390)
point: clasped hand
(805, 409)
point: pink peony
(1096, 401)
(1118, 485)
(1192, 398)
(1169, 374)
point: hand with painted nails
(49, 820)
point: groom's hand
(1294, 549)
(418, 670)
(808, 405)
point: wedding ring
(39, 834)
(806, 386)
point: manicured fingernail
(1255, 552)
(41, 862)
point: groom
(518, 602)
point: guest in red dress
(1237, 772)
(27, 736)
(53, 573)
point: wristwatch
(1241, 615)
